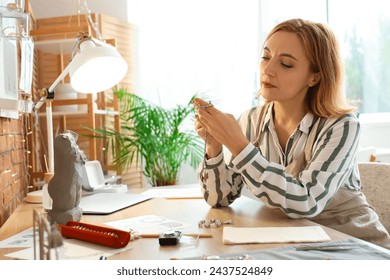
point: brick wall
(13, 165)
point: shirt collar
(268, 117)
(304, 126)
(306, 123)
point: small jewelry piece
(209, 105)
(206, 106)
(243, 257)
(216, 257)
(134, 234)
(213, 223)
(211, 257)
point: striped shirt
(262, 169)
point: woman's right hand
(213, 147)
(224, 129)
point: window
(365, 44)
(195, 46)
(276, 11)
(364, 37)
(188, 47)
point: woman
(297, 152)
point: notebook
(107, 203)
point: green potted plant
(153, 135)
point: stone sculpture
(66, 184)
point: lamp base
(34, 197)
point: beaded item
(204, 107)
(213, 223)
(109, 233)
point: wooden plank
(58, 30)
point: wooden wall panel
(124, 37)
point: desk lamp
(96, 67)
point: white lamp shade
(96, 68)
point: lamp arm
(49, 118)
(49, 93)
(101, 43)
(47, 97)
(59, 79)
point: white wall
(375, 135)
(375, 130)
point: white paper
(8, 76)
(73, 249)
(238, 235)
(26, 65)
(148, 224)
(190, 191)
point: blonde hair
(325, 99)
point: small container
(12, 6)
(106, 236)
(46, 199)
(14, 25)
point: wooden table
(244, 212)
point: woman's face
(285, 70)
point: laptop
(107, 203)
(94, 181)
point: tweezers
(325, 248)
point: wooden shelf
(57, 46)
(81, 113)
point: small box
(169, 238)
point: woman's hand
(213, 147)
(222, 129)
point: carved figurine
(65, 186)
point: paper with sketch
(175, 192)
(72, 250)
(238, 235)
(21, 240)
(148, 224)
